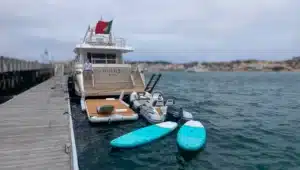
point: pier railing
(12, 65)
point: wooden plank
(28, 131)
(33, 129)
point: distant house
(296, 58)
(255, 67)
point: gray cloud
(171, 30)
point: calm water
(252, 122)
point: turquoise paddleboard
(191, 136)
(144, 135)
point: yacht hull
(107, 80)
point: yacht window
(100, 56)
(104, 58)
(111, 61)
(99, 61)
(111, 56)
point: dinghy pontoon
(152, 107)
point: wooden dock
(34, 131)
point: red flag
(103, 27)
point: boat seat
(158, 103)
(141, 93)
(143, 98)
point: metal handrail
(107, 41)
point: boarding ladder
(152, 82)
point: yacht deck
(111, 92)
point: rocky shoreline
(291, 65)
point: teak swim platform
(121, 111)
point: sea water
(252, 121)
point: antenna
(84, 38)
(46, 51)
(46, 55)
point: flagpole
(110, 34)
(88, 29)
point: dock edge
(74, 158)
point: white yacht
(110, 74)
(99, 70)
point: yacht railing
(141, 72)
(106, 41)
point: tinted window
(99, 58)
(111, 56)
(111, 61)
(99, 61)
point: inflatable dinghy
(182, 114)
(144, 135)
(151, 106)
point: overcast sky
(176, 30)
